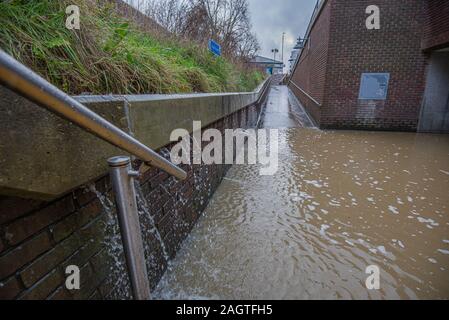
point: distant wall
(309, 77)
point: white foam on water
(382, 250)
(314, 183)
(430, 222)
(393, 210)
(349, 242)
(323, 229)
(399, 243)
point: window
(374, 86)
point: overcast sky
(272, 17)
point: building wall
(435, 111)
(39, 239)
(353, 50)
(394, 49)
(310, 74)
(435, 25)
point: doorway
(435, 111)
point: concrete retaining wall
(44, 156)
(38, 239)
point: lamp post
(275, 51)
(283, 39)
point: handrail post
(122, 178)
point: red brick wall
(394, 49)
(38, 240)
(310, 74)
(436, 24)
(353, 50)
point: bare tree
(171, 14)
(226, 21)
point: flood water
(340, 202)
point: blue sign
(215, 48)
(374, 86)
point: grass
(109, 54)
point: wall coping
(70, 157)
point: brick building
(393, 78)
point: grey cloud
(272, 17)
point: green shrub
(110, 54)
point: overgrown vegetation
(110, 54)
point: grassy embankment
(110, 54)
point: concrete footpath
(282, 110)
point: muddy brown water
(340, 202)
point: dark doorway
(435, 111)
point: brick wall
(436, 25)
(38, 240)
(310, 74)
(353, 50)
(395, 49)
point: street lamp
(283, 40)
(275, 51)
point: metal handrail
(305, 93)
(25, 82)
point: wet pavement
(340, 202)
(282, 110)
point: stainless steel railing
(25, 82)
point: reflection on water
(340, 202)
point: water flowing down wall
(58, 209)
